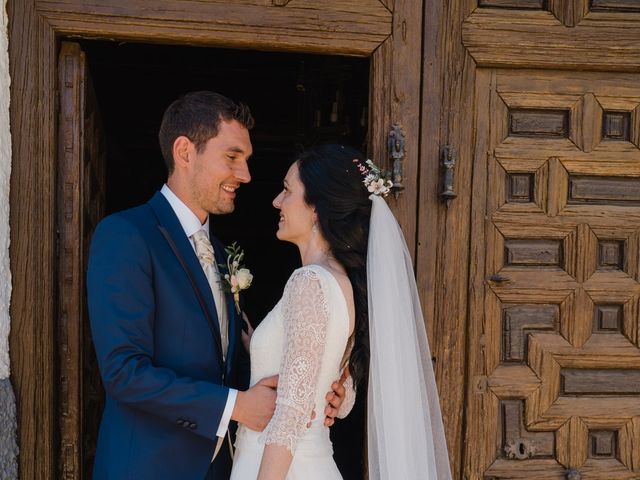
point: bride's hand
(246, 336)
(335, 398)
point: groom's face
(220, 168)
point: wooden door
(81, 200)
(542, 102)
(555, 385)
(386, 31)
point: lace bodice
(303, 339)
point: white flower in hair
(376, 180)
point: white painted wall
(5, 171)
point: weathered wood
(518, 320)
(81, 166)
(517, 4)
(603, 444)
(611, 255)
(616, 126)
(604, 189)
(517, 441)
(404, 90)
(71, 85)
(570, 13)
(533, 252)
(615, 5)
(524, 39)
(442, 236)
(599, 382)
(569, 250)
(349, 28)
(33, 241)
(93, 210)
(546, 123)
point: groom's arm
(121, 310)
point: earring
(314, 229)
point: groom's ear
(182, 146)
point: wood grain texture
(81, 166)
(33, 241)
(478, 455)
(350, 28)
(615, 5)
(71, 85)
(406, 65)
(537, 39)
(559, 253)
(442, 237)
(515, 4)
(571, 12)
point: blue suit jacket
(161, 365)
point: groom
(168, 340)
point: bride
(354, 304)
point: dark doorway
(297, 100)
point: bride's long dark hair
(333, 185)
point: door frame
(391, 35)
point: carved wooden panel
(534, 123)
(597, 189)
(607, 318)
(616, 126)
(533, 252)
(615, 5)
(517, 441)
(519, 321)
(574, 381)
(521, 187)
(602, 36)
(555, 340)
(603, 444)
(515, 4)
(611, 254)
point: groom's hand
(254, 407)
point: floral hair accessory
(376, 180)
(236, 278)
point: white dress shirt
(191, 224)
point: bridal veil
(405, 431)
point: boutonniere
(236, 277)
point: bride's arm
(305, 321)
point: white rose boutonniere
(235, 276)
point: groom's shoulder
(132, 221)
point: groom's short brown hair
(197, 116)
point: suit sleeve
(121, 311)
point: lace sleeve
(305, 321)
(349, 398)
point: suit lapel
(168, 220)
(221, 257)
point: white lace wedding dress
(303, 339)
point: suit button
(192, 426)
(181, 422)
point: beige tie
(204, 251)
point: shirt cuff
(226, 415)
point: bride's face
(296, 217)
